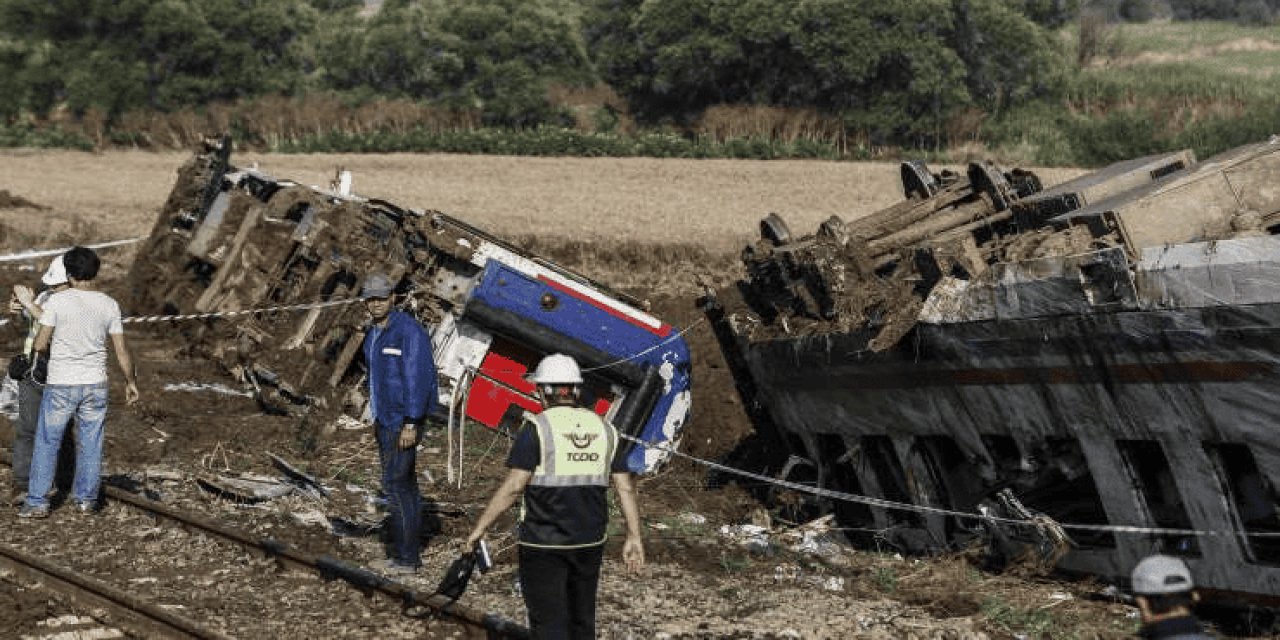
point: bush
(28, 135)
(555, 141)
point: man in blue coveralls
(402, 390)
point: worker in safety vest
(561, 462)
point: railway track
(138, 616)
(185, 588)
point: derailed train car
(231, 240)
(1103, 355)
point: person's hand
(131, 394)
(633, 554)
(24, 295)
(408, 436)
(471, 540)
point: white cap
(56, 274)
(376, 285)
(557, 368)
(1159, 575)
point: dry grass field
(712, 203)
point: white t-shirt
(81, 321)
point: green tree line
(908, 73)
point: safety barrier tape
(902, 506)
(651, 349)
(243, 312)
(44, 253)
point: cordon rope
(44, 253)
(244, 312)
(902, 506)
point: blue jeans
(404, 503)
(88, 404)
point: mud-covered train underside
(1098, 360)
(276, 266)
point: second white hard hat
(557, 368)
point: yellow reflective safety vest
(565, 504)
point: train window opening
(1153, 478)
(955, 469)
(879, 454)
(937, 477)
(1252, 496)
(1057, 482)
(796, 445)
(839, 475)
(1003, 451)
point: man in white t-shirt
(74, 329)
(29, 373)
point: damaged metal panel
(1092, 188)
(1222, 272)
(1073, 375)
(231, 240)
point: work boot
(28, 511)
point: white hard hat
(1159, 575)
(557, 368)
(56, 274)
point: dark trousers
(24, 438)
(559, 587)
(404, 503)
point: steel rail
(137, 616)
(326, 566)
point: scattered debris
(304, 482)
(215, 387)
(310, 517)
(693, 518)
(9, 398)
(246, 488)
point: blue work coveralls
(402, 390)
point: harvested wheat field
(647, 227)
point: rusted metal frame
(940, 222)
(140, 617)
(349, 351)
(207, 299)
(906, 213)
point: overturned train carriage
(1105, 353)
(232, 239)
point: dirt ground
(644, 226)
